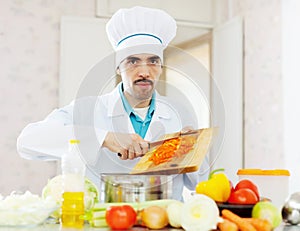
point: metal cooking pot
(134, 188)
(291, 209)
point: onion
(154, 217)
(174, 213)
(199, 213)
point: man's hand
(129, 146)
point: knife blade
(160, 142)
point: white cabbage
(54, 189)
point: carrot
(165, 152)
(260, 224)
(175, 147)
(242, 224)
(227, 225)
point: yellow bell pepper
(216, 187)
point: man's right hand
(129, 146)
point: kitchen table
(57, 227)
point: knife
(176, 135)
(179, 134)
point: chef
(114, 129)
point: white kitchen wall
(29, 57)
(262, 82)
(271, 88)
(291, 83)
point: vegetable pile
(97, 216)
(199, 213)
(265, 216)
(219, 188)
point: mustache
(143, 80)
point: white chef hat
(140, 30)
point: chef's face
(139, 75)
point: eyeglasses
(132, 62)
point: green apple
(267, 210)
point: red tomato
(120, 217)
(243, 196)
(247, 184)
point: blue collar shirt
(140, 126)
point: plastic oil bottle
(73, 172)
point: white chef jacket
(89, 119)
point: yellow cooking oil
(72, 209)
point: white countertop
(57, 227)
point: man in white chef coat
(115, 128)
